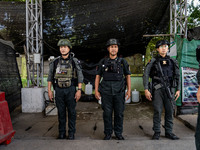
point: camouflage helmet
(112, 42)
(162, 42)
(64, 42)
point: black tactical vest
(112, 69)
(167, 66)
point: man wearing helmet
(64, 73)
(164, 72)
(115, 72)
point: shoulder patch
(76, 60)
(77, 63)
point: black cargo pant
(116, 103)
(65, 99)
(197, 134)
(160, 99)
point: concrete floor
(35, 131)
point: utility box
(33, 100)
(36, 58)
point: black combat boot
(71, 137)
(119, 137)
(107, 137)
(171, 136)
(156, 136)
(61, 136)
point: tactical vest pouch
(64, 74)
(158, 86)
(113, 70)
(64, 82)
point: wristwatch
(80, 89)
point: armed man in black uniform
(197, 133)
(165, 75)
(64, 71)
(115, 72)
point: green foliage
(193, 17)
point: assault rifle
(165, 82)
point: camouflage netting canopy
(89, 24)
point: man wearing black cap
(165, 75)
(116, 74)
